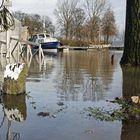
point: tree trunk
(107, 39)
(131, 55)
(131, 82)
(130, 130)
(14, 79)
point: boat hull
(49, 45)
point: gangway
(21, 47)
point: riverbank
(85, 45)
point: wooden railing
(21, 47)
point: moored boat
(46, 41)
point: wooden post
(42, 54)
(27, 53)
(1, 53)
(10, 43)
(40, 57)
(7, 4)
(18, 52)
(14, 79)
(7, 44)
(39, 53)
(15, 107)
(20, 49)
(30, 51)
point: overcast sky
(46, 7)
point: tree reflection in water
(130, 130)
(131, 82)
(86, 73)
(14, 109)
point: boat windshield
(34, 38)
(47, 35)
(41, 35)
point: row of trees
(92, 21)
(35, 22)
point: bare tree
(35, 22)
(64, 14)
(109, 28)
(95, 7)
(78, 21)
(19, 15)
(49, 27)
(94, 10)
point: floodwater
(58, 95)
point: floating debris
(89, 131)
(34, 107)
(60, 103)
(32, 103)
(53, 116)
(43, 114)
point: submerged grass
(104, 115)
(127, 111)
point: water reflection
(73, 76)
(131, 87)
(130, 130)
(89, 73)
(131, 82)
(14, 109)
(46, 68)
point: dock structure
(21, 48)
(102, 46)
(14, 47)
(90, 47)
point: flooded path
(58, 96)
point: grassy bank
(78, 43)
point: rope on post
(6, 19)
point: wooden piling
(15, 86)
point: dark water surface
(59, 94)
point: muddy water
(59, 94)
